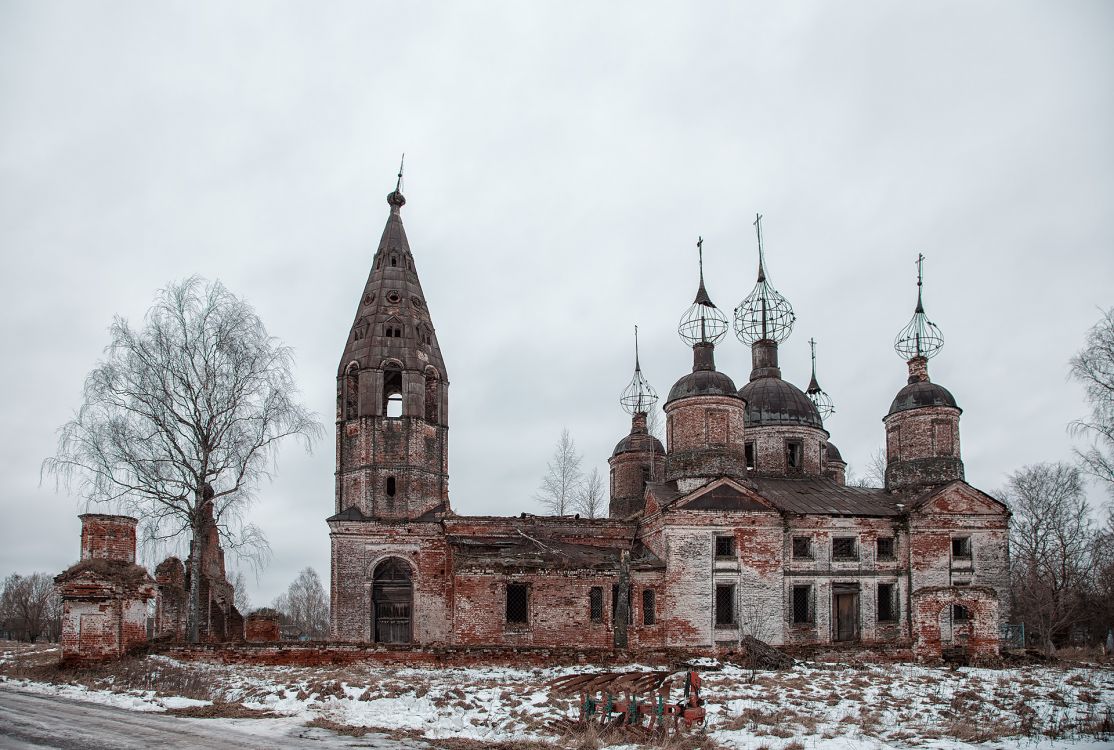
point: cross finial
(920, 283)
(401, 164)
(761, 250)
(637, 367)
(812, 346)
(700, 254)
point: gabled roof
(939, 494)
(723, 494)
(817, 496)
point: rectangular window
(803, 612)
(749, 449)
(595, 603)
(725, 546)
(648, 607)
(518, 604)
(794, 453)
(887, 602)
(886, 548)
(802, 548)
(845, 548)
(725, 605)
(961, 547)
(615, 603)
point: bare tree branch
(563, 478)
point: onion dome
(763, 315)
(703, 383)
(815, 393)
(638, 443)
(832, 454)
(773, 401)
(639, 396)
(921, 337)
(703, 323)
(922, 393)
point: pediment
(960, 498)
(725, 495)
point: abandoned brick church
(741, 524)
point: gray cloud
(561, 161)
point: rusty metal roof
(922, 393)
(825, 497)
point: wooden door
(392, 596)
(846, 617)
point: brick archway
(933, 603)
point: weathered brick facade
(741, 525)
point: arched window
(394, 261)
(352, 391)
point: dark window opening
(794, 453)
(595, 603)
(802, 548)
(431, 398)
(823, 453)
(961, 547)
(725, 605)
(749, 450)
(803, 611)
(351, 393)
(887, 602)
(725, 546)
(394, 261)
(391, 485)
(645, 475)
(615, 603)
(518, 604)
(647, 606)
(389, 332)
(960, 613)
(844, 548)
(886, 548)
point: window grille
(647, 606)
(794, 452)
(802, 547)
(518, 604)
(725, 546)
(595, 603)
(844, 548)
(961, 547)
(886, 548)
(803, 611)
(725, 605)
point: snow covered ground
(814, 705)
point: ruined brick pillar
(105, 537)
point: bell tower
(392, 392)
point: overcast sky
(561, 160)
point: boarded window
(725, 605)
(615, 603)
(887, 602)
(648, 607)
(794, 453)
(725, 546)
(749, 449)
(518, 604)
(717, 428)
(803, 611)
(886, 548)
(802, 548)
(595, 603)
(893, 444)
(961, 547)
(942, 436)
(845, 548)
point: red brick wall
(932, 621)
(922, 447)
(107, 537)
(262, 628)
(704, 438)
(770, 449)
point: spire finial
(702, 322)
(639, 396)
(920, 339)
(816, 394)
(761, 248)
(637, 367)
(396, 200)
(763, 315)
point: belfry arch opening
(351, 391)
(392, 597)
(392, 391)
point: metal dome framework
(920, 337)
(815, 393)
(703, 322)
(764, 314)
(639, 397)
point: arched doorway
(392, 596)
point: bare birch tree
(305, 606)
(1093, 366)
(182, 418)
(1050, 543)
(241, 598)
(590, 500)
(563, 477)
(29, 603)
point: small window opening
(961, 547)
(389, 332)
(615, 603)
(803, 611)
(960, 613)
(886, 548)
(595, 603)
(518, 604)
(802, 548)
(392, 389)
(648, 607)
(391, 486)
(887, 602)
(394, 406)
(725, 605)
(794, 451)
(725, 546)
(844, 548)
(394, 261)
(749, 449)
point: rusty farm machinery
(635, 700)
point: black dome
(833, 454)
(773, 401)
(638, 444)
(920, 394)
(702, 383)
